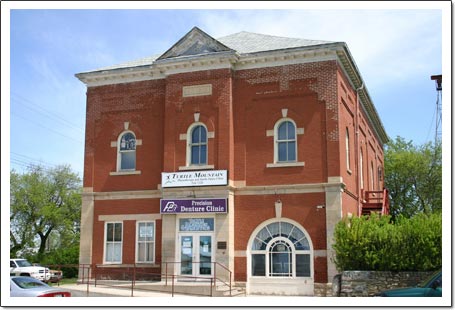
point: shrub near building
(376, 243)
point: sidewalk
(81, 291)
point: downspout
(357, 149)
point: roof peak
(195, 42)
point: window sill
(196, 167)
(125, 172)
(147, 265)
(280, 165)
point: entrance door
(196, 254)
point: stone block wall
(367, 283)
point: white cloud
(387, 45)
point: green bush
(375, 243)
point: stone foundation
(367, 283)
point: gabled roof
(195, 42)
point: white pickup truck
(21, 267)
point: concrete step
(194, 288)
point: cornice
(161, 68)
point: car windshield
(28, 282)
(427, 280)
(23, 263)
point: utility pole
(438, 129)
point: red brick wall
(215, 112)
(114, 207)
(108, 107)
(367, 140)
(298, 207)
(308, 91)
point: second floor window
(286, 142)
(127, 151)
(348, 152)
(198, 145)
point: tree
(413, 176)
(44, 201)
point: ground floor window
(281, 249)
(145, 242)
(113, 242)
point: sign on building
(209, 205)
(194, 178)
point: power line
(28, 158)
(40, 125)
(39, 109)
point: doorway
(195, 251)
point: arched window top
(286, 130)
(127, 141)
(199, 134)
(280, 230)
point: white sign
(194, 178)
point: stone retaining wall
(367, 283)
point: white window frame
(372, 176)
(361, 168)
(277, 142)
(119, 152)
(146, 242)
(266, 252)
(348, 152)
(105, 242)
(298, 131)
(188, 138)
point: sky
(396, 51)
(396, 45)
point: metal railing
(213, 279)
(136, 277)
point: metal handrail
(213, 279)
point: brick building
(238, 153)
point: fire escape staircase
(375, 201)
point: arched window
(281, 249)
(127, 151)
(348, 155)
(361, 169)
(198, 145)
(372, 177)
(285, 141)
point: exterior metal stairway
(375, 201)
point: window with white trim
(372, 177)
(126, 151)
(348, 153)
(281, 249)
(145, 242)
(361, 168)
(198, 145)
(285, 141)
(113, 242)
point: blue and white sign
(194, 178)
